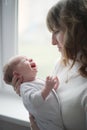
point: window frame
(8, 31)
(9, 48)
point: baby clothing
(46, 112)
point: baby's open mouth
(33, 65)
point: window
(34, 37)
(23, 31)
(8, 31)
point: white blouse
(72, 93)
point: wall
(8, 125)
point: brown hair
(71, 16)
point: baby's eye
(25, 60)
(30, 60)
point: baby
(39, 96)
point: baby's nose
(30, 60)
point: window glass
(34, 37)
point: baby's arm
(50, 84)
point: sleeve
(84, 103)
(84, 100)
(31, 95)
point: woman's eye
(57, 32)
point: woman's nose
(54, 40)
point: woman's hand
(33, 124)
(16, 82)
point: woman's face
(58, 40)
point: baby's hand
(52, 82)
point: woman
(67, 20)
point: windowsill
(12, 108)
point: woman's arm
(33, 124)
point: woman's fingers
(33, 123)
(16, 82)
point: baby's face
(27, 68)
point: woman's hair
(71, 17)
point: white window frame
(8, 48)
(8, 32)
(12, 108)
(0, 39)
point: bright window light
(34, 37)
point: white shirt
(72, 92)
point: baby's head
(20, 66)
